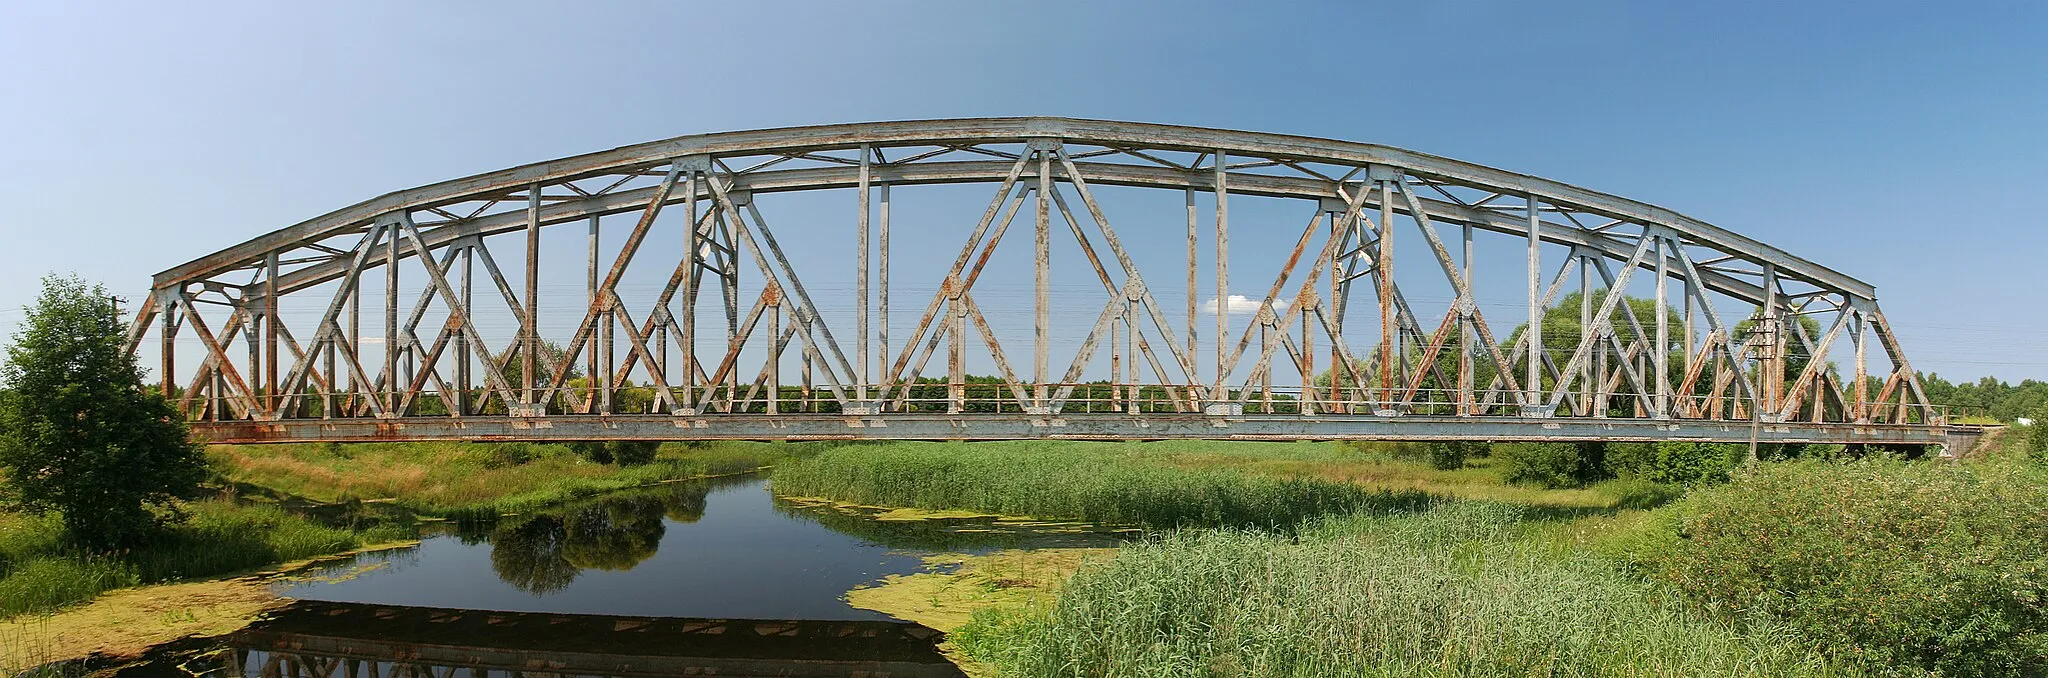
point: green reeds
(1108, 483)
(1455, 591)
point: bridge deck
(1064, 427)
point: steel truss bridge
(368, 323)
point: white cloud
(369, 340)
(1238, 304)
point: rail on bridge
(1209, 284)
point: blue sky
(1901, 143)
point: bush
(1551, 465)
(1675, 462)
(1451, 454)
(1936, 565)
(621, 452)
(2037, 438)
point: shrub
(633, 452)
(1551, 465)
(621, 452)
(1938, 565)
(1675, 462)
(2037, 437)
(1451, 454)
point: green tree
(79, 434)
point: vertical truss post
(860, 376)
(1341, 229)
(1535, 329)
(167, 342)
(1222, 268)
(463, 358)
(1660, 357)
(693, 269)
(1383, 268)
(1587, 404)
(1042, 275)
(882, 310)
(1860, 333)
(529, 335)
(1467, 400)
(591, 369)
(270, 301)
(956, 349)
(773, 369)
(391, 344)
(1193, 289)
(1773, 368)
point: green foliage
(40, 569)
(49, 583)
(1552, 465)
(1989, 396)
(1639, 493)
(1446, 455)
(1456, 591)
(1675, 462)
(79, 434)
(621, 452)
(1097, 482)
(2037, 436)
(1928, 564)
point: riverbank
(467, 480)
(124, 623)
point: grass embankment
(1460, 590)
(456, 479)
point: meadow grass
(1459, 590)
(40, 571)
(1110, 483)
(458, 479)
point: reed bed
(1455, 591)
(1109, 483)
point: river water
(705, 577)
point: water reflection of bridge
(340, 640)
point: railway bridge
(1105, 280)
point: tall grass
(1450, 592)
(40, 571)
(1095, 482)
(457, 479)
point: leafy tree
(79, 434)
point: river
(704, 577)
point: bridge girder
(1364, 196)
